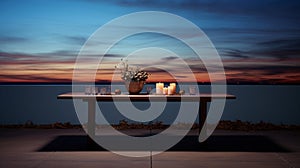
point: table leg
(91, 118)
(202, 114)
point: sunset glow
(258, 42)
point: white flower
(131, 73)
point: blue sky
(258, 40)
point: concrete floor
(42, 148)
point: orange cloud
(27, 68)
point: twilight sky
(258, 40)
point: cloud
(12, 39)
(265, 71)
(169, 58)
(153, 70)
(60, 53)
(181, 76)
(31, 78)
(279, 49)
(21, 67)
(11, 56)
(78, 40)
(72, 54)
(30, 59)
(113, 56)
(234, 53)
(287, 43)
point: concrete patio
(39, 148)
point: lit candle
(159, 88)
(165, 90)
(173, 87)
(170, 90)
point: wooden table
(91, 100)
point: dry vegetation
(123, 124)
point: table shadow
(216, 143)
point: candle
(173, 87)
(170, 90)
(159, 88)
(165, 90)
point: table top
(145, 97)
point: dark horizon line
(108, 83)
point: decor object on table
(91, 90)
(133, 76)
(192, 90)
(169, 90)
(118, 92)
(172, 88)
(159, 88)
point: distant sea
(278, 104)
